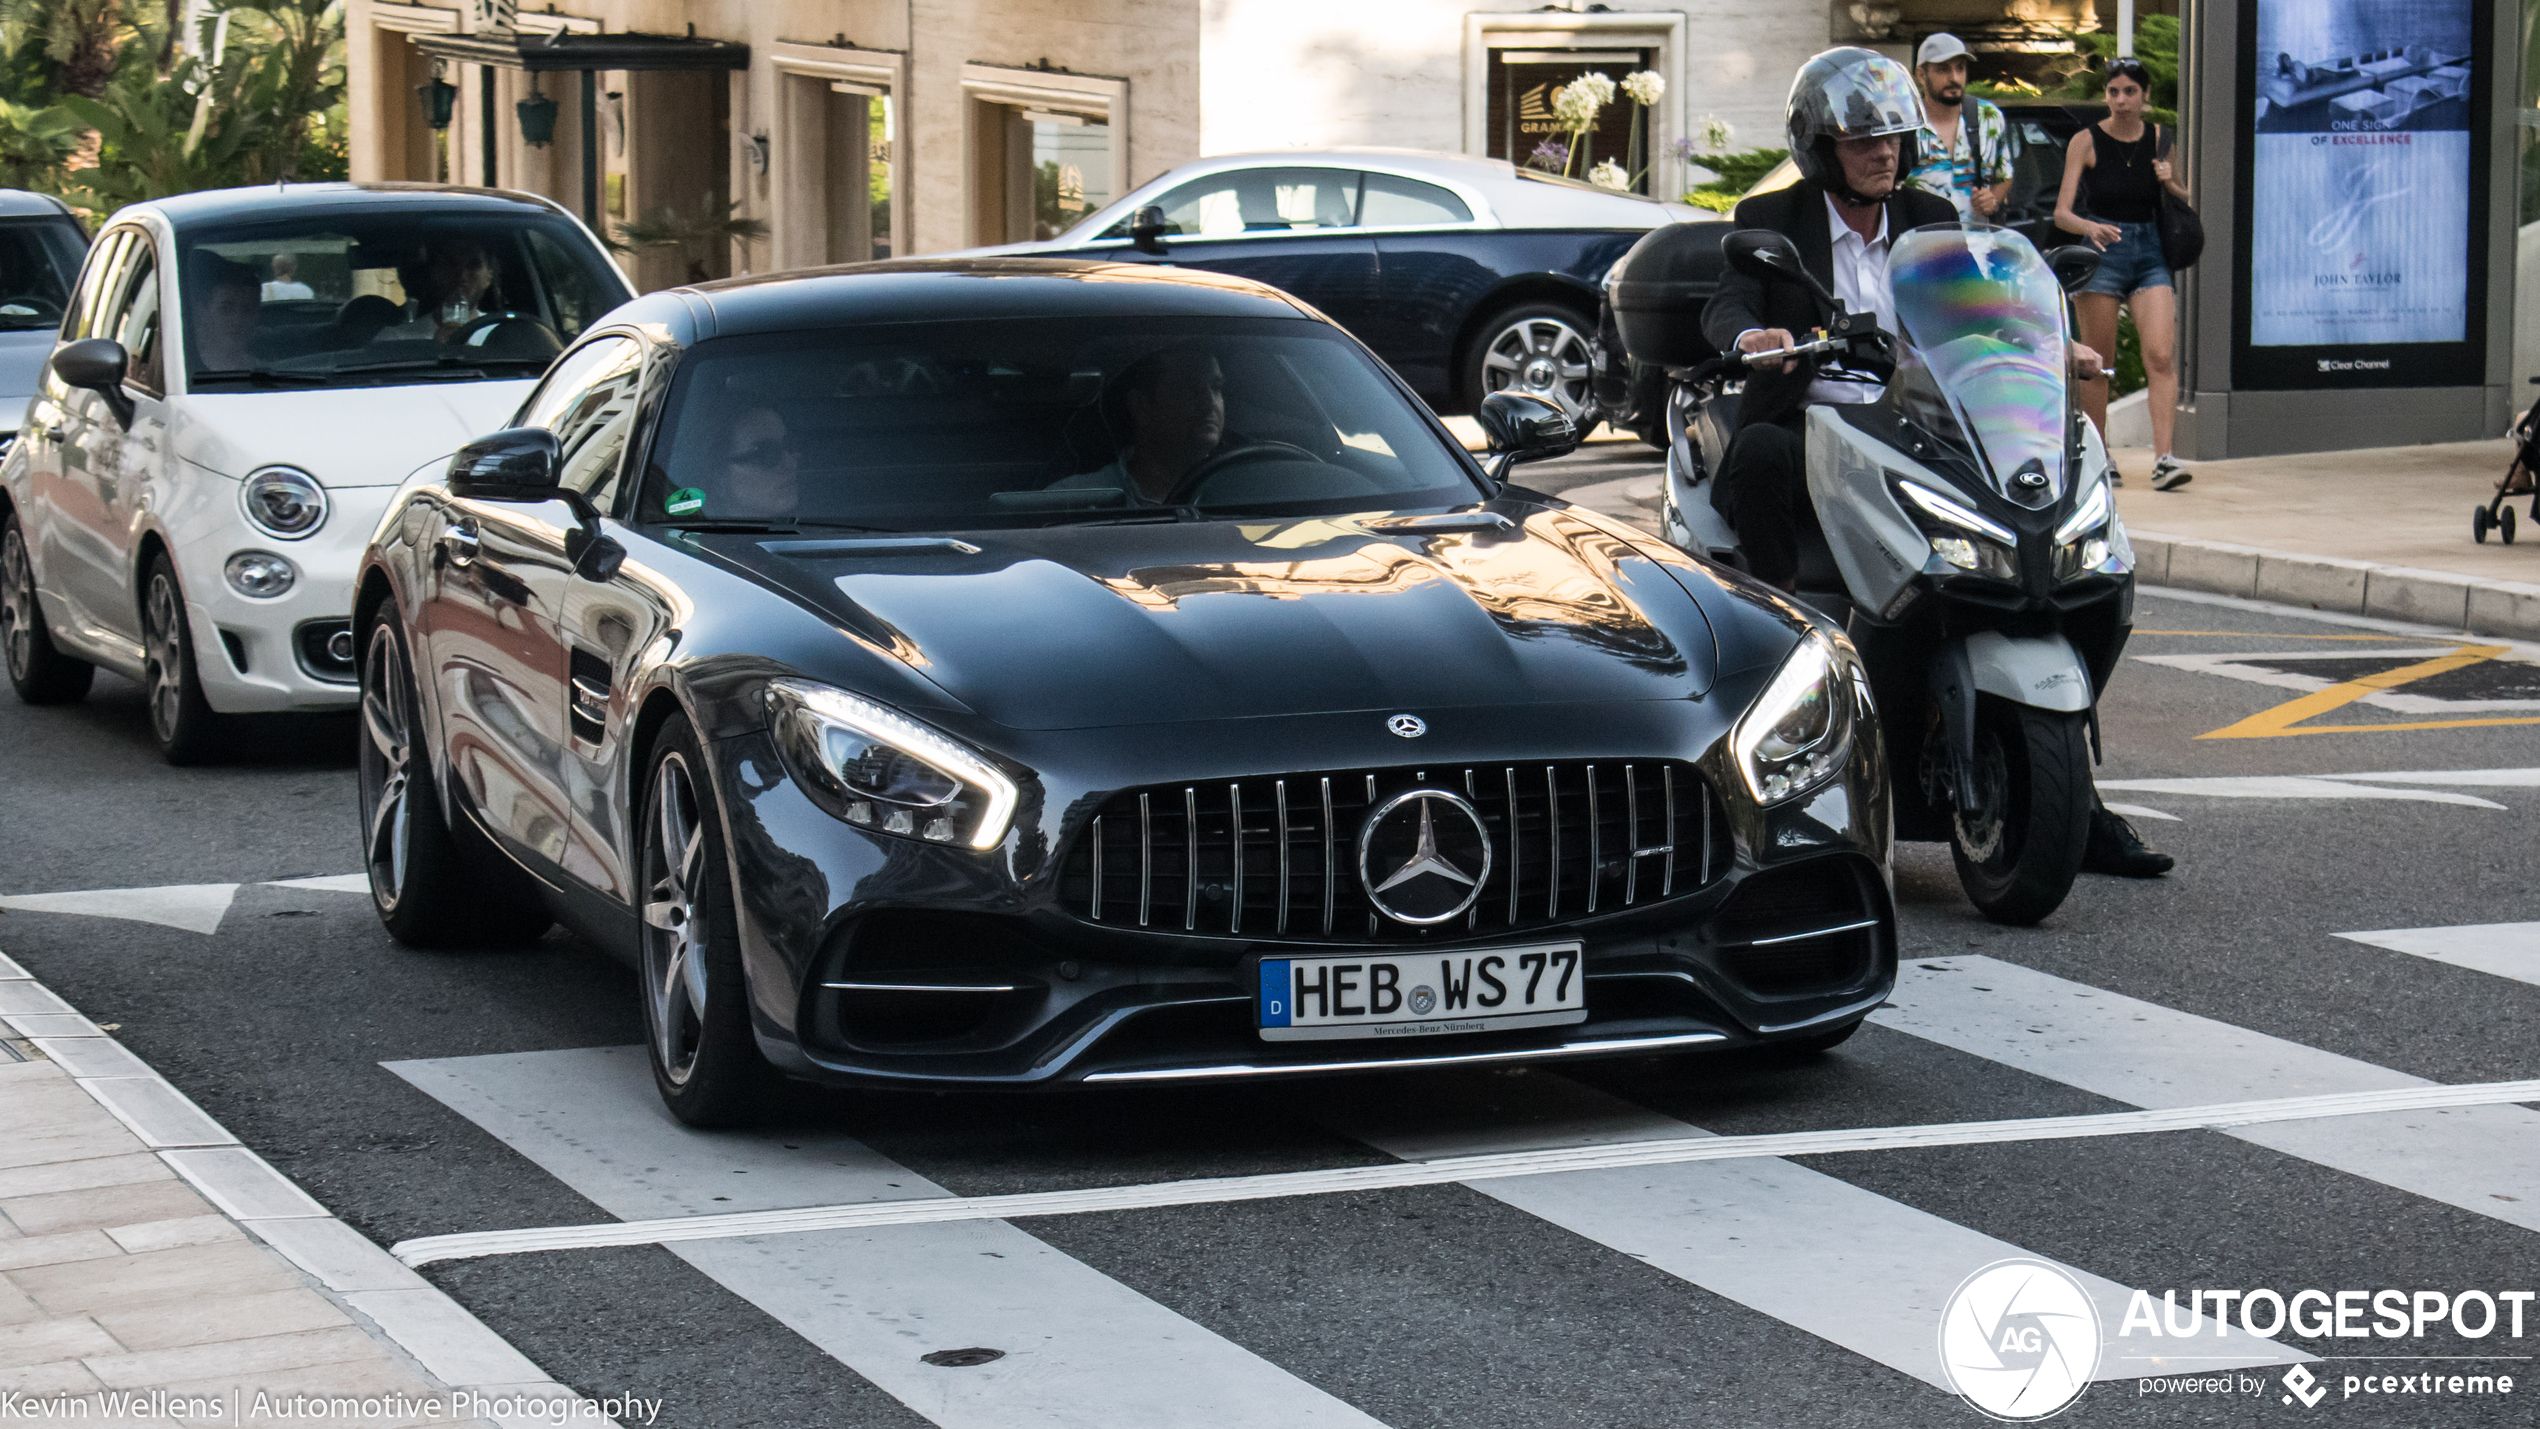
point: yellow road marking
(2271, 635)
(2279, 722)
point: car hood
(22, 356)
(1098, 626)
(354, 436)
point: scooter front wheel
(2019, 849)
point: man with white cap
(1965, 155)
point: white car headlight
(284, 502)
(878, 769)
(1794, 737)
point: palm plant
(692, 236)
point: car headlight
(1795, 735)
(259, 575)
(284, 502)
(1962, 538)
(880, 770)
(2089, 537)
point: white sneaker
(2169, 474)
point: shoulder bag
(2182, 232)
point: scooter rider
(1851, 118)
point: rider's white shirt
(1860, 279)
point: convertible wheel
(2018, 851)
(183, 722)
(696, 1005)
(1540, 349)
(428, 890)
(41, 673)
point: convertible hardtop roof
(946, 289)
(266, 201)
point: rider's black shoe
(2115, 848)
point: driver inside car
(448, 287)
(1168, 409)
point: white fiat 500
(244, 378)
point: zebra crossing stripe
(2504, 949)
(2479, 1157)
(880, 1211)
(1816, 1252)
(1080, 1348)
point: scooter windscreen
(1982, 351)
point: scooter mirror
(2073, 266)
(1763, 253)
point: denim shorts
(2132, 263)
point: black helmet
(1850, 93)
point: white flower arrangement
(1644, 87)
(1575, 104)
(1713, 135)
(1609, 175)
(1597, 84)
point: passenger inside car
(1168, 411)
(757, 475)
(228, 304)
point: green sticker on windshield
(686, 501)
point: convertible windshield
(403, 295)
(1983, 312)
(1026, 421)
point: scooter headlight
(2092, 540)
(880, 770)
(1794, 737)
(1962, 538)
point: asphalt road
(1656, 1297)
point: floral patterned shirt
(1950, 172)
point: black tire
(2505, 524)
(2017, 855)
(432, 887)
(706, 1061)
(1557, 361)
(188, 730)
(2479, 521)
(38, 670)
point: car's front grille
(1277, 857)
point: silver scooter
(1971, 545)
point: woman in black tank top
(2124, 179)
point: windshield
(403, 295)
(1983, 315)
(1033, 421)
(38, 260)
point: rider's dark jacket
(1799, 213)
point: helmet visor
(1860, 98)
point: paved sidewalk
(155, 1272)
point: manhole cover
(956, 1359)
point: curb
(2441, 598)
(374, 1287)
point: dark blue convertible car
(1467, 275)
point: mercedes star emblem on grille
(1409, 726)
(1423, 856)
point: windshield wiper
(1152, 516)
(262, 377)
(753, 528)
(455, 366)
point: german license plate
(1421, 994)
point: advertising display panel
(2363, 159)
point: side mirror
(97, 364)
(1146, 229)
(1521, 428)
(515, 464)
(2073, 265)
(1763, 253)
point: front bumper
(258, 656)
(956, 973)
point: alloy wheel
(387, 768)
(1541, 357)
(17, 605)
(674, 955)
(163, 636)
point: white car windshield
(391, 297)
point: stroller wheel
(2505, 525)
(2479, 521)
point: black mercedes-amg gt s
(1010, 672)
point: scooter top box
(1659, 288)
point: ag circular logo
(2019, 1340)
(1409, 726)
(1423, 856)
(1424, 1000)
